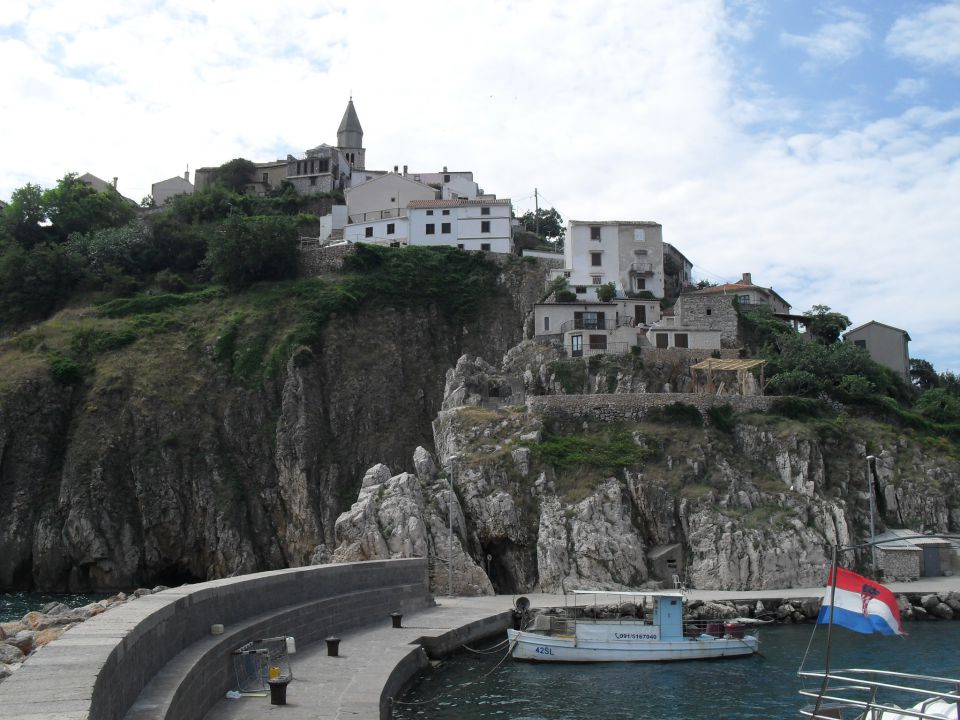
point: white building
(165, 190)
(467, 224)
(590, 328)
(627, 253)
(384, 196)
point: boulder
(423, 464)
(10, 654)
(25, 640)
(49, 635)
(929, 602)
(5, 671)
(942, 611)
(377, 475)
(810, 607)
(54, 608)
(919, 613)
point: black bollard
(278, 690)
(333, 646)
(396, 617)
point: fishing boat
(640, 627)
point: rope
(490, 650)
(805, 653)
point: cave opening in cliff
(498, 561)
(173, 576)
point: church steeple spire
(350, 134)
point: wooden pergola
(712, 365)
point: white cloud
(930, 37)
(612, 110)
(909, 88)
(833, 43)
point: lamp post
(871, 471)
(450, 548)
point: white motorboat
(859, 694)
(644, 627)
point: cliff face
(160, 468)
(757, 504)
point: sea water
(764, 686)
(14, 606)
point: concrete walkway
(350, 686)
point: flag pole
(826, 660)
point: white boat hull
(547, 648)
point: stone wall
(155, 657)
(316, 261)
(635, 407)
(899, 564)
(692, 310)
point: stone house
(904, 554)
(716, 307)
(592, 328)
(887, 345)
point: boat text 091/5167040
(640, 627)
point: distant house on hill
(713, 307)
(887, 345)
(165, 190)
(100, 185)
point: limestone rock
(25, 640)
(10, 654)
(942, 611)
(929, 602)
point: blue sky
(813, 144)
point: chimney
(114, 183)
(444, 168)
(746, 279)
(404, 169)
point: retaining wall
(635, 407)
(318, 260)
(154, 657)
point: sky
(813, 144)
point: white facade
(669, 333)
(165, 190)
(336, 220)
(629, 254)
(590, 328)
(467, 224)
(385, 196)
(386, 231)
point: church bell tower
(350, 137)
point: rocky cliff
(164, 463)
(551, 503)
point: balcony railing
(597, 323)
(379, 215)
(641, 268)
(589, 349)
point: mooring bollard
(278, 690)
(333, 646)
(396, 617)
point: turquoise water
(14, 606)
(765, 686)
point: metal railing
(859, 691)
(590, 349)
(378, 215)
(641, 268)
(597, 323)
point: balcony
(596, 324)
(589, 349)
(378, 215)
(641, 268)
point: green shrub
(251, 249)
(566, 296)
(64, 370)
(571, 374)
(148, 304)
(722, 417)
(677, 413)
(797, 408)
(606, 451)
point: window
(446, 178)
(594, 232)
(368, 232)
(709, 311)
(576, 345)
(324, 165)
(743, 299)
(546, 324)
(266, 178)
(430, 229)
(313, 179)
(485, 247)
(429, 212)
(580, 289)
(862, 344)
(390, 228)
(445, 228)
(681, 340)
(598, 342)
(596, 259)
(446, 212)
(641, 284)
(639, 235)
(460, 246)
(484, 226)
(596, 279)
(484, 211)
(662, 340)
(567, 273)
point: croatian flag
(861, 605)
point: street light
(871, 472)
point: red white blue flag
(861, 605)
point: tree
(704, 283)
(73, 206)
(923, 375)
(939, 405)
(247, 249)
(824, 325)
(236, 174)
(22, 218)
(607, 292)
(33, 282)
(547, 223)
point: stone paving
(350, 686)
